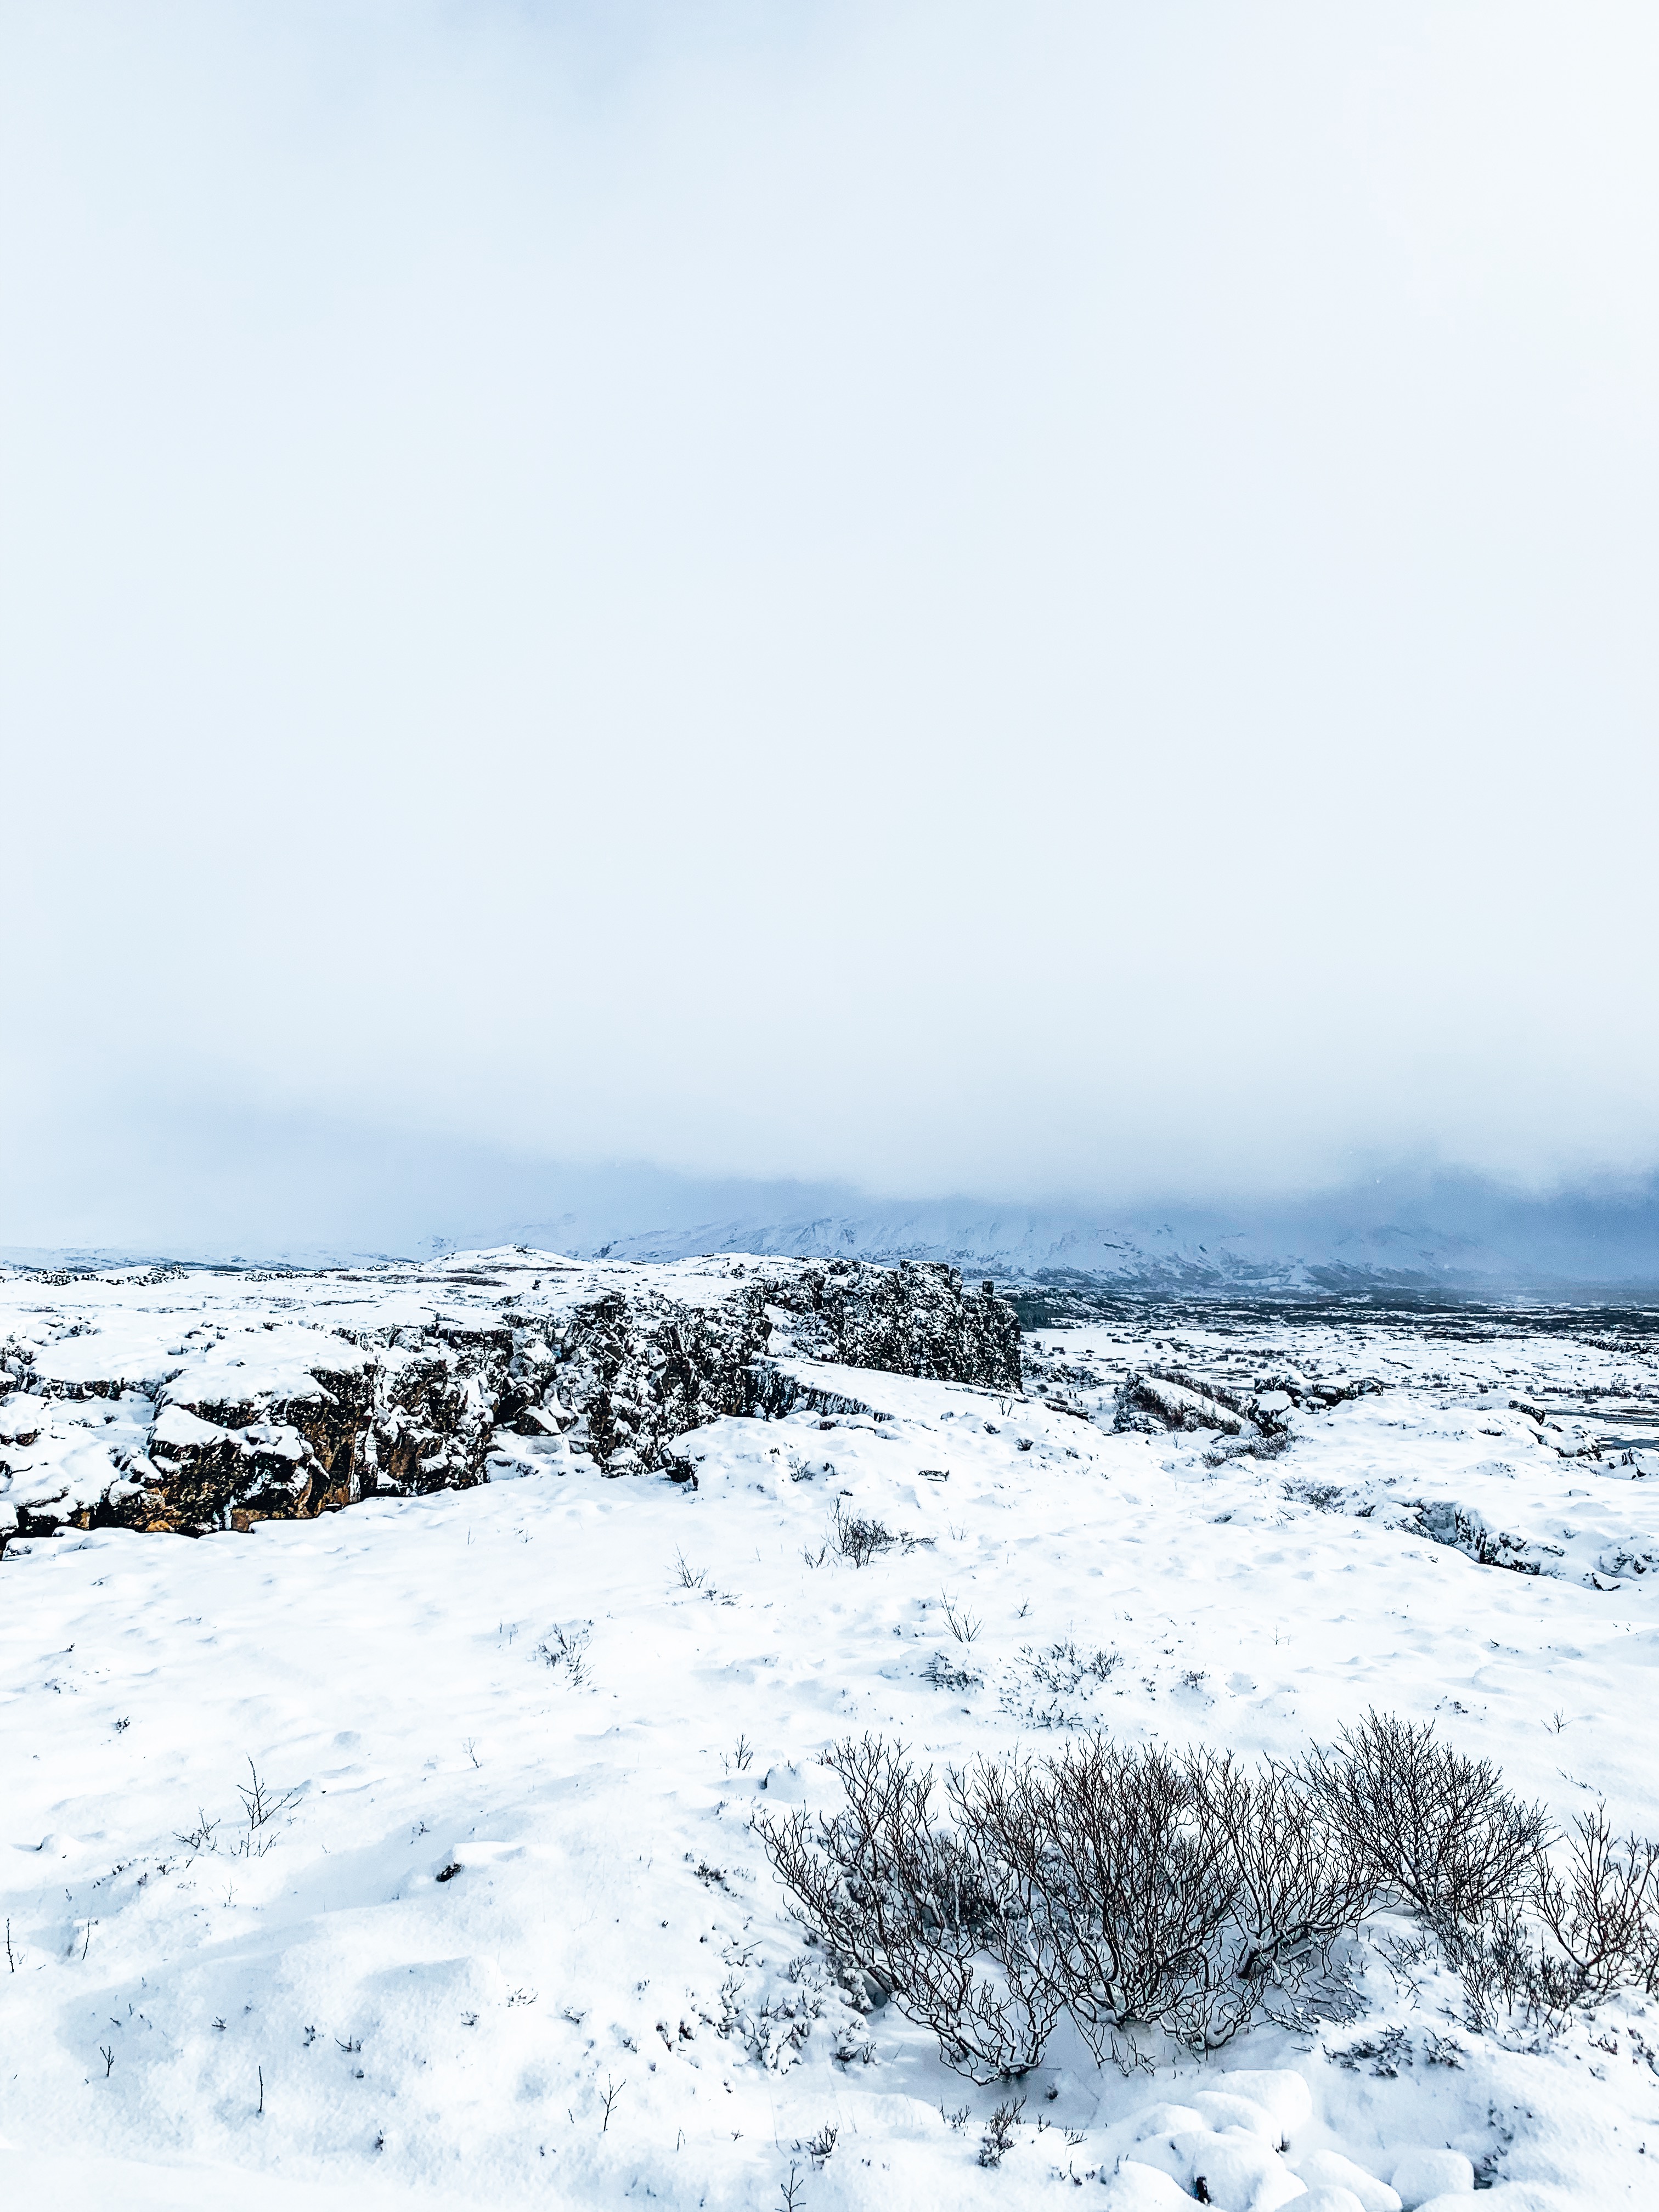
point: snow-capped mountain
(1467, 1244)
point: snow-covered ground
(508, 1934)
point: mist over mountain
(1416, 1232)
(1454, 1235)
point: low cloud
(1051, 604)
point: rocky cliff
(218, 1399)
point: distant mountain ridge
(1312, 1251)
(1413, 1235)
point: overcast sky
(1051, 600)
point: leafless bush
(1128, 1886)
(944, 1674)
(820, 2147)
(1520, 1923)
(1301, 1883)
(859, 1539)
(1586, 1929)
(567, 1648)
(261, 1805)
(1269, 1443)
(915, 1905)
(999, 2136)
(1435, 1830)
(1501, 1964)
(961, 1623)
(1134, 1887)
(1063, 1669)
(1603, 1912)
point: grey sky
(1051, 600)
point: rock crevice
(286, 1421)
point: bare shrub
(1134, 1887)
(917, 1907)
(999, 2136)
(1435, 1830)
(261, 1805)
(1603, 1910)
(944, 1674)
(1126, 1882)
(567, 1648)
(1063, 1669)
(1301, 1882)
(1501, 1964)
(961, 1623)
(1126, 1885)
(858, 1539)
(1519, 1923)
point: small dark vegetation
(566, 1648)
(262, 1807)
(1063, 1669)
(999, 2134)
(1136, 1888)
(859, 1539)
(1323, 1496)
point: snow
(1328, 2169)
(526, 1726)
(1421, 2176)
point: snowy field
(405, 1854)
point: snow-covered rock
(1421, 2176)
(231, 1398)
(1276, 2090)
(1238, 2171)
(1328, 2169)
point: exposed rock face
(636, 1373)
(201, 1474)
(215, 1461)
(439, 1393)
(913, 1319)
(281, 1418)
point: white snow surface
(515, 1735)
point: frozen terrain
(393, 1843)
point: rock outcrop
(630, 1375)
(1168, 1397)
(913, 1319)
(283, 1419)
